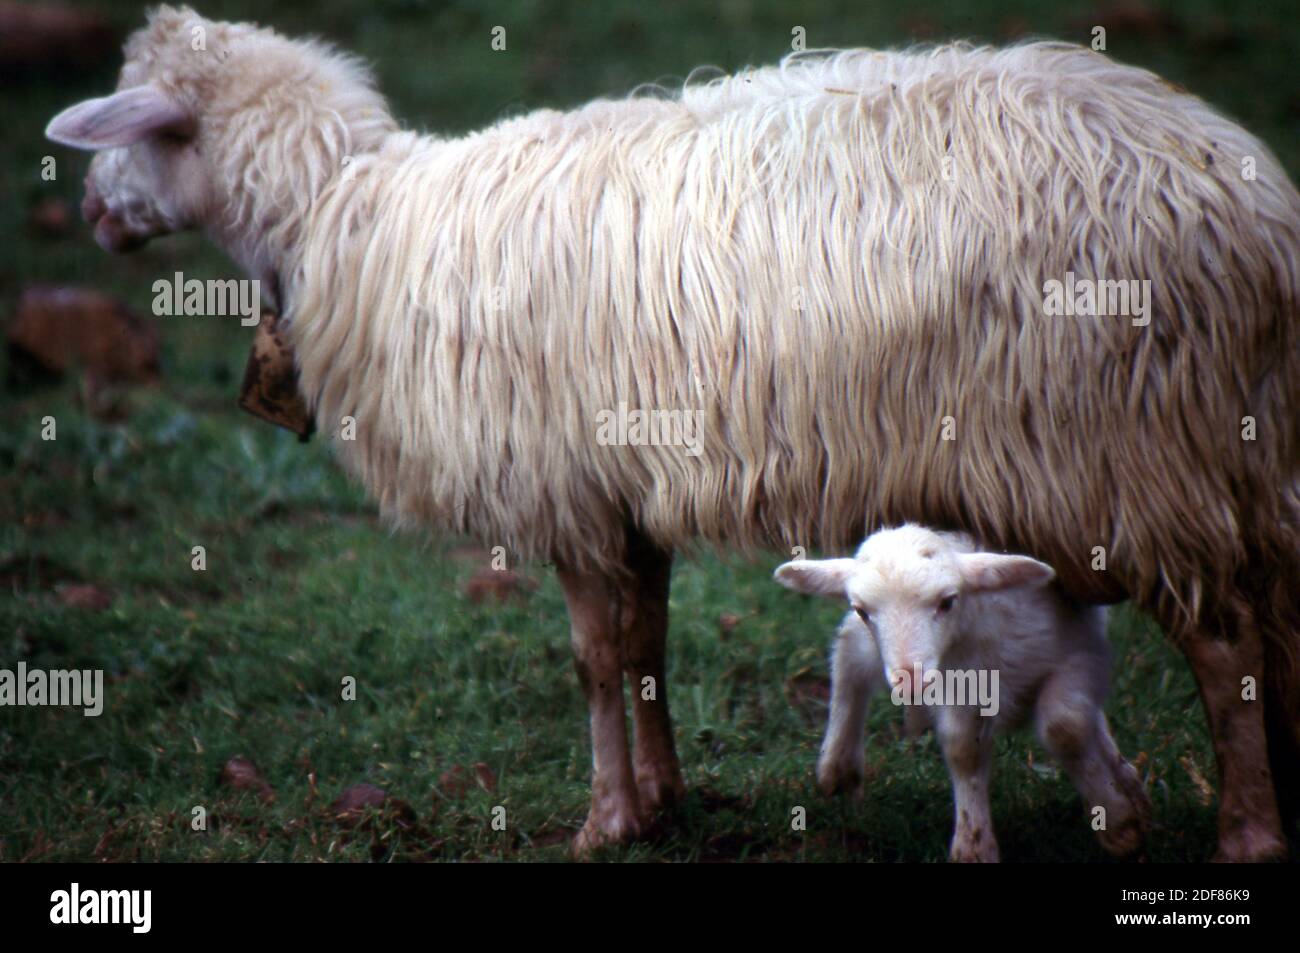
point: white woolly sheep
(974, 643)
(834, 264)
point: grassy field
(304, 586)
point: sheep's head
(148, 178)
(909, 586)
(227, 127)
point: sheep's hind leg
(599, 656)
(1250, 828)
(1278, 611)
(655, 766)
(1282, 725)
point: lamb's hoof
(972, 855)
(976, 847)
(1127, 838)
(1125, 841)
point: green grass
(304, 586)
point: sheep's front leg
(1072, 727)
(856, 673)
(599, 656)
(655, 766)
(967, 742)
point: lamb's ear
(818, 577)
(118, 120)
(987, 572)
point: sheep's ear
(818, 577)
(988, 572)
(118, 120)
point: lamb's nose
(902, 682)
(911, 679)
(92, 206)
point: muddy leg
(655, 767)
(1282, 726)
(1249, 825)
(967, 744)
(598, 653)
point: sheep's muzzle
(110, 231)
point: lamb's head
(222, 126)
(909, 585)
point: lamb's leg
(1124, 778)
(967, 742)
(1073, 728)
(1249, 826)
(645, 624)
(598, 651)
(855, 673)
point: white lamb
(976, 642)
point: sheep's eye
(175, 137)
(863, 614)
(946, 603)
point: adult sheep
(836, 264)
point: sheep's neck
(263, 254)
(262, 226)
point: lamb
(975, 643)
(839, 266)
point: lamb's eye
(946, 603)
(863, 614)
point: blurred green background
(304, 586)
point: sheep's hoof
(1250, 846)
(836, 778)
(658, 793)
(608, 824)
